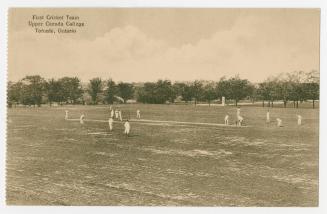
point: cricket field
(53, 161)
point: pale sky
(137, 45)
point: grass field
(51, 161)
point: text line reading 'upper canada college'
(52, 24)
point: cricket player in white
(268, 117)
(226, 119)
(120, 117)
(116, 114)
(279, 122)
(112, 113)
(138, 114)
(299, 120)
(66, 115)
(239, 120)
(127, 127)
(238, 112)
(81, 119)
(110, 121)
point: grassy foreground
(51, 161)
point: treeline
(35, 90)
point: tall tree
(164, 91)
(94, 89)
(283, 89)
(296, 79)
(125, 91)
(239, 88)
(268, 91)
(264, 92)
(209, 93)
(33, 90)
(311, 92)
(311, 87)
(146, 93)
(72, 89)
(274, 93)
(110, 91)
(14, 93)
(185, 91)
(296, 93)
(159, 92)
(197, 91)
(178, 88)
(223, 88)
(54, 91)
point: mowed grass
(51, 161)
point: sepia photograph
(187, 107)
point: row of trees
(109, 91)
(32, 90)
(197, 91)
(35, 90)
(296, 87)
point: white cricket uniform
(268, 117)
(81, 119)
(112, 113)
(238, 112)
(127, 127)
(138, 114)
(279, 122)
(239, 120)
(226, 119)
(110, 121)
(299, 120)
(66, 115)
(120, 117)
(116, 114)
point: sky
(138, 45)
